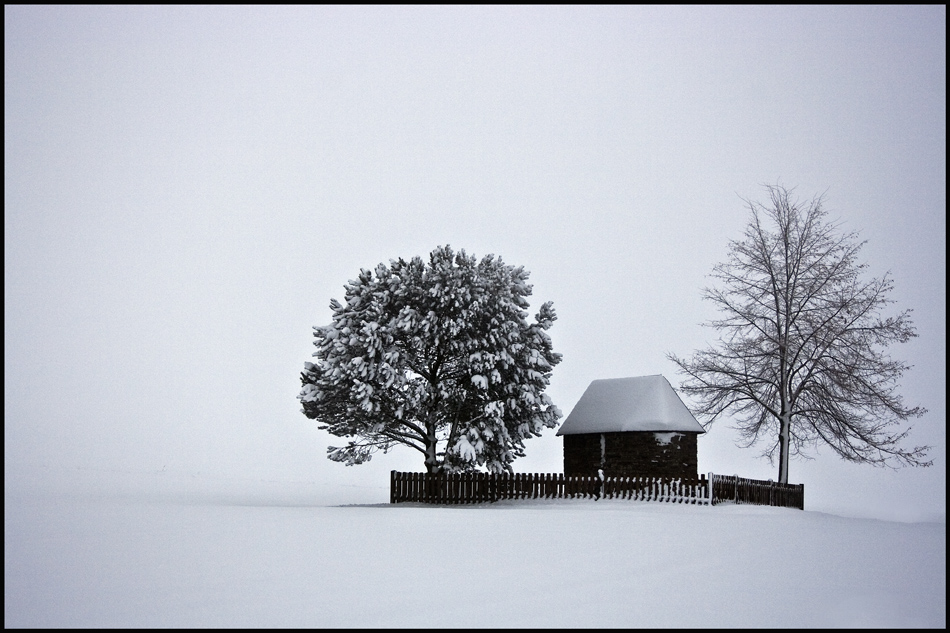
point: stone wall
(632, 454)
(581, 454)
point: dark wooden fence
(480, 487)
(736, 489)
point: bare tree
(801, 355)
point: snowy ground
(183, 553)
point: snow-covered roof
(643, 403)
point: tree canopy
(801, 359)
(437, 356)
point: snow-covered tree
(436, 356)
(802, 357)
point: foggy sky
(186, 188)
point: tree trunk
(785, 420)
(432, 459)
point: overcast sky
(186, 188)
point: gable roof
(643, 403)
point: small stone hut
(631, 427)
